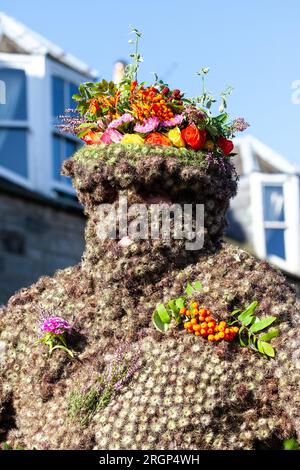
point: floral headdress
(132, 112)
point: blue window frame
(274, 220)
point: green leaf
(180, 302)
(159, 325)
(268, 349)
(163, 314)
(290, 444)
(248, 320)
(237, 310)
(189, 289)
(197, 285)
(249, 310)
(76, 97)
(242, 342)
(260, 347)
(222, 118)
(172, 306)
(271, 334)
(262, 324)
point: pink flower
(117, 122)
(56, 325)
(111, 136)
(148, 125)
(175, 121)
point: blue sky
(251, 45)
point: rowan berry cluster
(199, 321)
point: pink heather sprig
(239, 125)
(148, 125)
(121, 120)
(175, 121)
(70, 122)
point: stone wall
(36, 238)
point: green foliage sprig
(291, 444)
(164, 314)
(250, 325)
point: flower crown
(137, 113)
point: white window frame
(290, 185)
(54, 69)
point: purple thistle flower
(175, 121)
(148, 125)
(117, 122)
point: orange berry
(211, 338)
(211, 324)
(201, 318)
(196, 327)
(194, 305)
(182, 311)
(203, 332)
(221, 335)
(227, 331)
(204, 325)
(235, 329)
(217, 337)
(209, 319)
(188, 324)
(223, 323)
(210, 331)
(202, 311)
(194, 312)
(197, 333)
(194, 321)
(216, 327)
(222, 328)
(188, 313)
(190, 330)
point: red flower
(155, 138)
(193, 136)
(225, 145)
(92, 137)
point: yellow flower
(132, 139)
(175, 137)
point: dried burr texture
(187, 393)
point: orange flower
(155, 138)
(193, 136)
(148, 102)
(92, 137)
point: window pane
(58, 97)
(57, 152)
(62, 149)
(16, 97)
(275, 242)
(72, 90)
(273, 203)
(13, 150)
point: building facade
(265, 215)
(37, 81)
